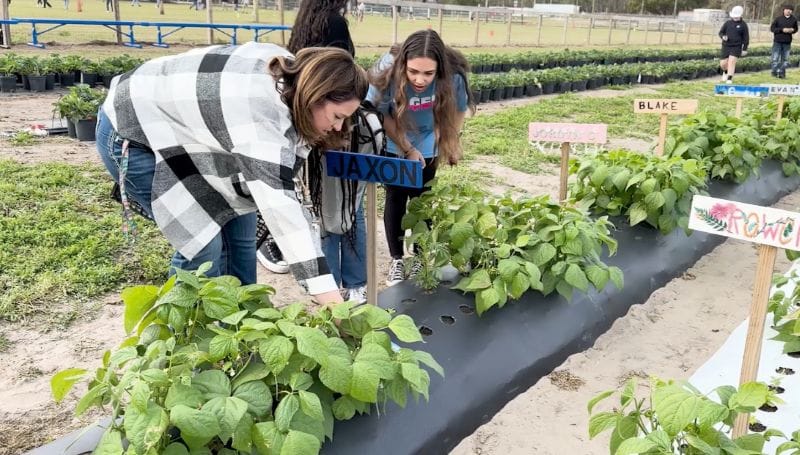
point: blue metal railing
(229, 30)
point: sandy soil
(549, 418)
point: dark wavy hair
(428, 43)
(311, 23)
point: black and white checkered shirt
(224, 145)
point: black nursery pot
(67, 79)
(107, 80)
(532, 90)
(37, 83)
(497, 94)
(71, 129)
(564, 87)
(579, 86)
(486, 95)
(8, 84)
(519, 91)
(89, 78)
(617, 80)
(84, 129)
(50, 82)
(548, 88)
(508, 93)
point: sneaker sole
(392, 283)
(272, 267)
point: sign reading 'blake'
(374, 168)
(664, 106)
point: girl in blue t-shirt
(421, 87)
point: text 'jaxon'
(373, 168)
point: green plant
(23, 138)
(642, 187)
(783, 144)
(10, 64)
(675, 418)
(785, 313)
(729, 148)
(507, 246)
(82, 102)
(211, 365)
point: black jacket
(737, 34)
(781, 22)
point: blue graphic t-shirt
(419, 111)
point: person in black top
(783, 27)
(319, 23)
(735, 39)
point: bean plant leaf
(110, 443)
(197, 427)
(275, 352)
(460, 233)
(221, 346)
(486, 299)
(637, 213)
(337, 374)
(286, 409)
(616, 277)
(144, 428)
(229, 412)
(696, 442)
(486, 225)
(212, 384)
(257, 395)
(598, 276)
(183, 394)
(138, 301)
(661, 439)
(404, 329)
(364, 382)
(576, 277)
(675, 407)
(62, 382)
(601, 422)
(312, 343)
(627, 427)
(542, 253)
(598, 398)
(749, 397)
(378, 359)
(310, 405)
(343, 408)
(428, 360)
(635, 446)
(299, 443)
(519, 285)
(267, 438)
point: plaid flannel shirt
(225, 146)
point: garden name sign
(771, 229)
(741, 91)
(782, 91)
(664, 107)
(567, 133)
(373, 169)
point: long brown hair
(428, 44)
(317, 75)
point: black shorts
(731, 51)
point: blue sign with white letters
(374, 168)
(752, 91)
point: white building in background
(708, 15)
(548, 8)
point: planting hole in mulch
(784, 370)
(445, 283)
(777, 389)
(768, 408)
(408, 301)
(565, 380)
(757, 427)
(425, 330)
(447, 320)
(466, 309)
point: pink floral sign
(586, 133)
(752, 223)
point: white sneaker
(396, 272)
(358, 295)
(724, 77)
(416, 266)
(270, 256)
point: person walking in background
(110, 6)
(422, 89)
(735, 39)
(66, 5)
(783, 27)
(201, 161)
(361, 9)
(135, 3)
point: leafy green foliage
(211, 365)
(23, 138)
(783, 144)
(785, 312)
(508, 246)
(82, 102)
(730, 148)
(677, 419)
(642, 187)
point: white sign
(752, 223)
(783, 89)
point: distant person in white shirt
(360, 10)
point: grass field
(375, 31)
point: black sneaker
(267, 251)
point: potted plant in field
(80, 107)
(70, 70)
(212, 367)
(9, 67)
(33, 73)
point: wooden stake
(477, 17)
(566, 24)
(209, 20)
(562, 188)
(662, 135)
(283, 21)
(394, 23)
(739, 107)
(117, 18)
(441, 19)
(255, 11)
(589, 35)
(610, 29)
(508, 31)
(5, 28)
(755, 327)
(539, 31)
(628, 37)
(781, 100)
(372, 251)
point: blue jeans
(232, 251)
(348, 260)
(780, 57)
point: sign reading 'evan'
(783, 89)
(664, 106)
(374, 168)
(764, 225)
